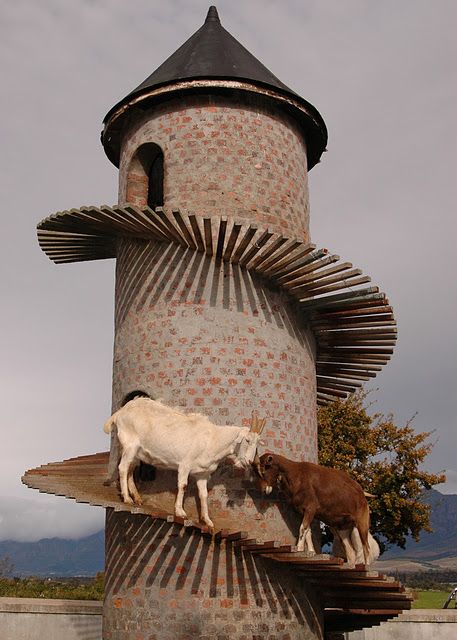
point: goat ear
(268, 460)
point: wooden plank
(355, 343)
(294, 279)
(87, 218)
(349, 376)
(237, 535)
(208, 236)
(233, 237)
(370, 293)
(357, 308)
(327, 356)
(330, 391)
(294, 269)
(362, 350)
(269, 251)
(280, 267)
(315, 273)
(359, 332)
(147, 216)
(137, 219)
(344, 284)
(184, 228)
(255, 248)
(319, 282)
(277, 258)
(243, 244)
(197, 233)
(113, 218)
(174, 233)
(348, 367)
(359, 313)
(332, 382)
(156, 217)
(146, 229)
(221, 238)
(357, 324)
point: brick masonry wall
(221, 157)
(210, 337)
(165, 583)
(213, 339)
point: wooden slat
(296, 269)
(277, 258)
(339, 299)
(208, 236)
(172, 230)
(351, 597)
(243, 244)
(233, 237)
(148, 220)
(276, 244)
(280, 267)
(197, 233)
(184, 228)
(319, 281)
(221, 238)
(315, 261)
(256, 246)
(344, 284)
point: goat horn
(257, 424)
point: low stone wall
(420, 624)
(42, 619)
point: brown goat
(330, 495)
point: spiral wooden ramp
(355, 330)
(353, 598)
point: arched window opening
(155, 182)
(146, 176)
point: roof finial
(212, 16)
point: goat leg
(202, 485)
(305, 538)
(183, 475)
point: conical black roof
(213, 53)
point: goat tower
(222, 306)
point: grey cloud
(383, 197)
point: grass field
(430, 599)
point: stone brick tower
(229, 140)
(222, 307)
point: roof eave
(306, 114)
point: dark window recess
(155, 182)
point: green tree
(385, 459)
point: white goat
(151, 432)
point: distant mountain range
(56, 556)
(436, 549)
(85, 557)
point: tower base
(165, 582)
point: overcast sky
(382, 74)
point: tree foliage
(385, 459)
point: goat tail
(373, 549)
(363, 527)
(110, 423)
